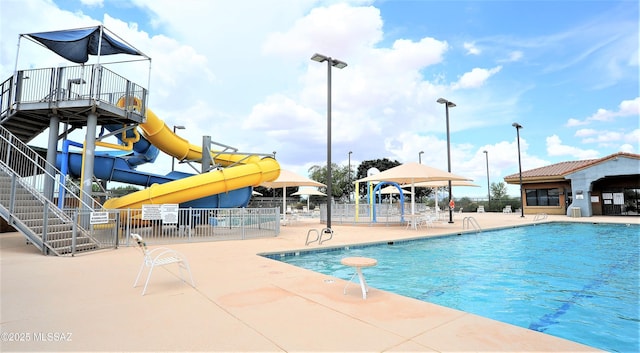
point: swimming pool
(572, 280)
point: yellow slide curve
(250, 170)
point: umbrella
(308, 191)
(289, 179)
(393, 190)
(411, 173)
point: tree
(123, 190)
(339, 177)
(498, 190)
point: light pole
(340, 65)
(447, 105)
(349, 177)
(486, 155)
(420, 157)
(173, 160)
(518, 127)
(274, 154)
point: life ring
(135, 103)
(452, 204)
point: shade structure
(392, 189)
(286, 179)
(412, 173)
(444, 183)
(441, 184)
(77, 44)
(308, 191)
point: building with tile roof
(603, 186)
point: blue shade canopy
(77, 44)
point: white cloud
(338, 30)
(626, 108)
(628, 148)
(630, 107)
(586, 132)
(575, 122)
(602, 115)
(556, 148)
(92, 3)
(471, 48)
(476, 78)
(515, 55)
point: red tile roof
(559, 170)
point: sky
(240, 72)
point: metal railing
(469, 223)
(386, 214)
(540, 217)
(191, 225)
(68, 83)
(34, 172)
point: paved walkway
(242, 303)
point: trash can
(576, 212)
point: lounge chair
(160, 257)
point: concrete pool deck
(242, 302)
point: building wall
(582, 181)
(564, 187)
(611, 185)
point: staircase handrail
(14, 146)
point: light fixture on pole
(447, 105)
(349, 177)
(420, 157)
(274, 154)
(518, 127)
(486, 155)
(340, 65)
(173, 160)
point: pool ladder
(540, 217)
(469, 222)
(319, 236)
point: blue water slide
(120, 166)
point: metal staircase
(24, 178)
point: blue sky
(240, 72)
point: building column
(88, 156)
(52, 152)
(581, 192)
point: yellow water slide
(246, 170)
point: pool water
(572, 280)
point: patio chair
(426, 220)
(507, 209)
(159, 257)
(480, 209)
